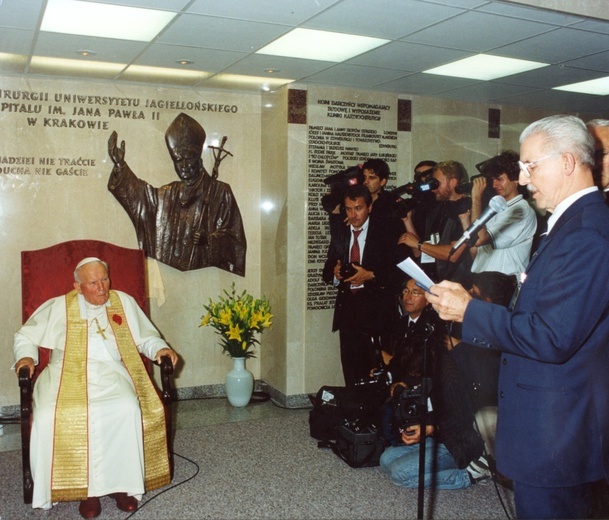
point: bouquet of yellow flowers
(236, 318)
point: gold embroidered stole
(70, 470)
(156, 458)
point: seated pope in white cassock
(97, 416)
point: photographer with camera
(426, 201)
(504, 242)
(376, 174)
(444, 225)
(454, 446)
(361, 265)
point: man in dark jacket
(450, 439)
(364, 304)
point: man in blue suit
(553, 424)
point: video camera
(409, 406)
(466, 187)
(379, 378)
(421, 193)
(339, 183)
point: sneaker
(478, 470)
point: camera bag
(359, 447)
(334, 405)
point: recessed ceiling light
(272, 71)
(86, 53)
(185, 62)
(104, 20)
(311, 44)
(485, 67)
(597, 87)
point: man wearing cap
(95, 409)
(187, 224)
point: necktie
(354, 255)
(410, 327)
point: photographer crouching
(454, 447)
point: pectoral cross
(99, 329)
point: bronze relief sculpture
(188, 224)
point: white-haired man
(95, 409)
(553, 395)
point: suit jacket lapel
(571, 211)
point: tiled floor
(187, 414)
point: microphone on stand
(496, 205)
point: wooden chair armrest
(24, 377)
(166, 373)
(25, 386)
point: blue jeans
(401, 464)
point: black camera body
(409, 406)
(379, 378)
(348, 270)
(421, 193)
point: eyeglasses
(524, 167)
(599, 155)
(415, 293)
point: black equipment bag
(359, 447)
(334, 405)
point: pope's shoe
(90, 508)
(124, 502)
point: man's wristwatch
(419, 246)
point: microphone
(496, 205)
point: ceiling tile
(106, 49)
(409, 56)
(478, 32)
(22, 14)
(354, 75)
(220, 33)
(556, 46)
(552, 76)
(212, 60)
(530, 13)
(362, 17)
(273, 11)
(256, 64)
(599, 61)
(17, 41)
(425, 84)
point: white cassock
(116, 456)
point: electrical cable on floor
(142, 506)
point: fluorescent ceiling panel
(104, 20)
(310, 44)
(598, 87)
(485, 67)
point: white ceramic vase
(239, 383)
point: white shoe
(478, 470)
